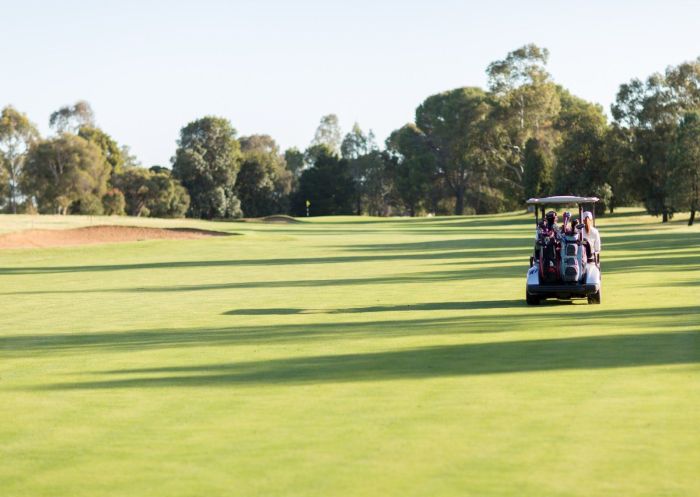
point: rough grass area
(349, 357)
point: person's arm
(597, 242)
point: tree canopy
(263, 182)
(207, 161)
(66, 174)
(17, 134)
(71, 118)
(467, 150)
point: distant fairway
(348, 357)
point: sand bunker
(92, 235)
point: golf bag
(548, 257)
(573, 259)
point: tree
(622, 164)
(651, 111)
(17, 134)
(263, 183)
(66, 174)
(314, 152)
(356, 143)
(328, 133)
(527, 99)
(537, 169)
(582, 168)
(71, 118)
(168, 197)
(133, 183)
(4, 183)
(455, 124)
(411, 166)
(366, 163)
(294, 160)
(327, 185)
(114, 203)
(159, 169)
(378, 186)
(523, 66)
(641, 107)
(684, 178)
(110, 149)
(207, 161)
(151, 193)
(526, 105)
(130, 160)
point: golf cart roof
(562, 199)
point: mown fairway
(349, 357)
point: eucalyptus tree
(151, 192)
(66, 174)
(527, 99)
(526, 105)
(326, 185)
(110, 149)
(651, 111)
(328, 134)
(582, 167)
(17, 134)
(294, 162)
(537, 169)
(366, 166)
(456, 126)
(70, 118)
(264, 182)
(684, 177)
(206, 162)
(411, 166)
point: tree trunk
(664, 216)
(13, 203)
(694, 200)
(459, 202)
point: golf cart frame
(588, 284)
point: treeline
(468, 150)
(79, 170)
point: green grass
(349, 357)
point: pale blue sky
(149, 67)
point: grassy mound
(345, 356)
(279, 219)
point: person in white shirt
(590, 233)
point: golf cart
(563, 265)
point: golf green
(349, 357)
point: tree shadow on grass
(645, 264)
(478, 250)
(495, 246)
(297, 261)
(686, 283)
(496, 322)
(659, 242)
(426, 306)
(522, 356)
(469, 270)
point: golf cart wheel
(531, 299)
(594, 298)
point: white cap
(587, 215)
